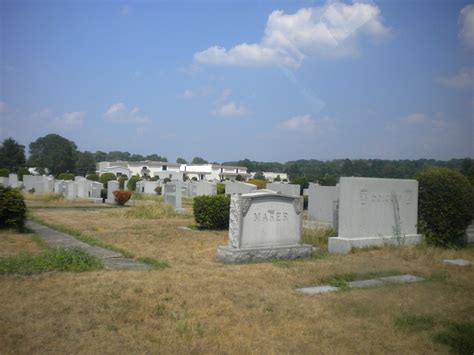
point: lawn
(198, 305)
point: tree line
(57, 155)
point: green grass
(459, 337)
(157, 264)
(151, 211)
(51, 260)
(341, 280)
(317, 237)
(414, 322)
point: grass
(157, 264)
(342, 280)
(317, 237)
(459, 337)
(50, 260)
(414, 322)
(151, 211)
(201, 306)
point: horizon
(271, 82)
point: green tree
(85, 164)
(239, 178)
(22, 172)
(66, 176)
(181, 161)
(132, 183)
(104, 178)
(53, 152)
(156, 157)
(12, 155)
(199, 160)
(4, 172)
(93, 177)
(100, 156)
(259, 176)
(277, 178)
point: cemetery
(352, 273)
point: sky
(228, 80)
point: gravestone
(323, 204)
(29, 181)
(264, 226)
(84, 187)
(172, 194)
(60, 187)
(285, 189)
(374, 212)
(192, 189)
(112, 186)
(96, 188)
(71, 190)
(44, 184)
(236, 187)
(205, 188)
(13, 180)
(150, 187)
(4, 181)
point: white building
(271, 176)
(214, 172)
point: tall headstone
(375, 212)
(236, 187)
(323, 204)
(96, 189)
(29, 181)
(13, 180)
(84, 187)
(71, 190)
(60, 187)
(285, 189)
(4, 181)
(112, 186)
(204, 188)
(264, 226)
(172, 194)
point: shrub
(121, 181)
(212, 212)
(104, 178)
(220, 188)
(445, 206)
(121, 197)
(132, 183)
(194, 178)
(12, 208)
(4, 172)
(103, 194)
(166, 180)
(66, 176)
(93, 177)
(261, 184)
(158, 190)
(239, 178)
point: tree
(85, 164)
(239, 178)
(53, 152)
(259, 176)
(199, 160)
(181, 161)
(156, 157)
(100, 156)
(12, 154)
(277, 178)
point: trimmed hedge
(121, 181)
(445, 206)
(261, 184)
(12, 208)
(212, 212)
(220, 187)
(93, 177)
(132, 183)
(106, 177)
(121, 197)
(66, 176)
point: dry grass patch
(13, 243)
(198, 305)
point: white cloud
(201, 92)
(45, 114)
(230, 109)
(415, 118)
(72, 119)
(304, 123)
(329, 30)
(462, 80)
(466, 24)
(119, 113)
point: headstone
(205, 188)
(44, 184)
(323, 204)
(264, 226)
(71, 190)
(13, 180)
(96, 188)
(4, 181)
(285, 189)
(236, 187)
(112, 186)
(374, 212)
(29, 181)
(84, 187)
(193, 189)
(60, 187)
(172, 194)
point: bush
(220, 188)
(22, 172)
(132, 183)
(4, 172)
(212, 212)
(445, 206)
(121, 181)
(158, 190)
(121, 197)
(166, 180)
(66, 176)
(104, 178)
(93, 177)
(12, 208)
(261, 184)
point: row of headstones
(79, 188)
(369, 212)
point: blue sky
(227, 80)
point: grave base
(229, 255)
(340, 245)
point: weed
(458, 336)
(414, 322)
(51, 260)
(159, 310)
(157, 264)
(151, 211)
(317, 237)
